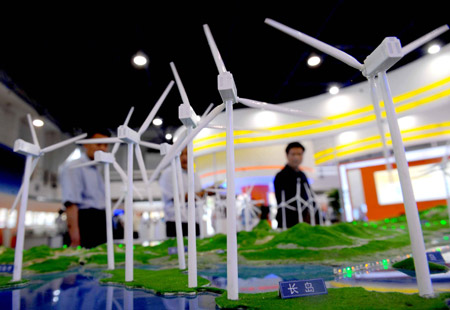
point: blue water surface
(80, 289)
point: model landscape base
(338, 245)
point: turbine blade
(424, 39)
(100, 140)
(155, 109)
(221, 127)
(276, 108)
(33, 132)
(208, 109)
(328, 49)
(140, 160)
(128, 116)
(119, 201)
(63, 143)
(115, 148)
(214, 50)
(178, 146)
(120, 171)
(150, 145)
(180, 86)
(19, 194)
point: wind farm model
(401, 245)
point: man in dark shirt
(286, 180)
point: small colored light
(427, 224)
(386, 220)
(365, 224)
(443, 222)
(120, 245)
(79, 247)
(402, 227)
(446, 238)
(65, 246)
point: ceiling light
(433, 49)
(334, 90)
(38, 123)
(314, 61)
(140, 60)
(157, 121)
(168, 136)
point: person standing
(286, 181)
(83, 196)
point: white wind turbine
(251, 211)
(33, 152)
(107, 159)
(228, 92)
(133, 140)
(376, 64)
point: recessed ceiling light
(314, 61)
(38, 123)
(334, 90)
(168, 136)
(157, 121)
(140, 60)
(434, 48)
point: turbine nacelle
(187, 115)
(26, 148)
(387, 54)
(227, 87)
(165, 147)
(103, 157)
(128, 135)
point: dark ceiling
(73, 63)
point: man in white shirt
(83, 195)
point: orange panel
(377, 212)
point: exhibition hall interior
(218, 155)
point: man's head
(92, 148)
(183, 158)
(294, 154)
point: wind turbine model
(249, 208)
(228, 92)
(106, 159)
(309, 203)
(33, 152)
(133, 141)
(376, 64)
